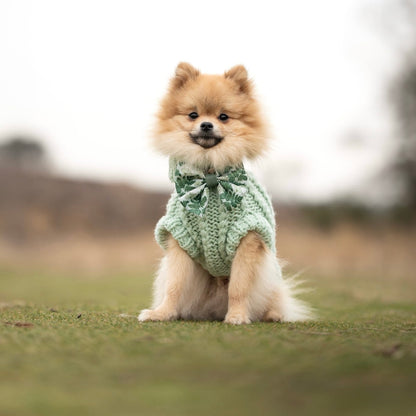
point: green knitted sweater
(212, 239)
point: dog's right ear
(183, 73)
(239, 75)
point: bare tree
(403, 99)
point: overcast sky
(85, 77)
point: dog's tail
(282, 294)
(292, 308)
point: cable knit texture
(212, 239)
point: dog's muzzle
(206, 140)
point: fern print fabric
(210, 226)
(192, 187)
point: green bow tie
(193, 187)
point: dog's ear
(183, 73)
(240, 76)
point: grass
(65, 350)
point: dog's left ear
(240, 76)
(183, 73)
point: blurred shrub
(24, 153)
(327, 216)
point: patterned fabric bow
(193, 187)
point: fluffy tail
(291, 308)
(281, 292)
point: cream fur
(202, 297)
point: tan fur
(244, 273)
(178, 270)
(183, 289)
(245, 132)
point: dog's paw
(272, 316)
(145, 315)
(155, 315)
(237, 319)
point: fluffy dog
(219, 231)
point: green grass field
(64, 350)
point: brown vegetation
(36, 207)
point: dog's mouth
(206, 140)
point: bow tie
(193, 187)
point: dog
(219, 229)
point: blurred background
(81, 190)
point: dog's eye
(193, 115)
(223, 117)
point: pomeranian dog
(219, 229)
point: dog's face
(210, 121)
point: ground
(65, 350)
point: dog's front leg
(244, 273)
(178, 268)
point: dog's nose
(206, 126)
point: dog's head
(210, 120)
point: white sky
(85, 76)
